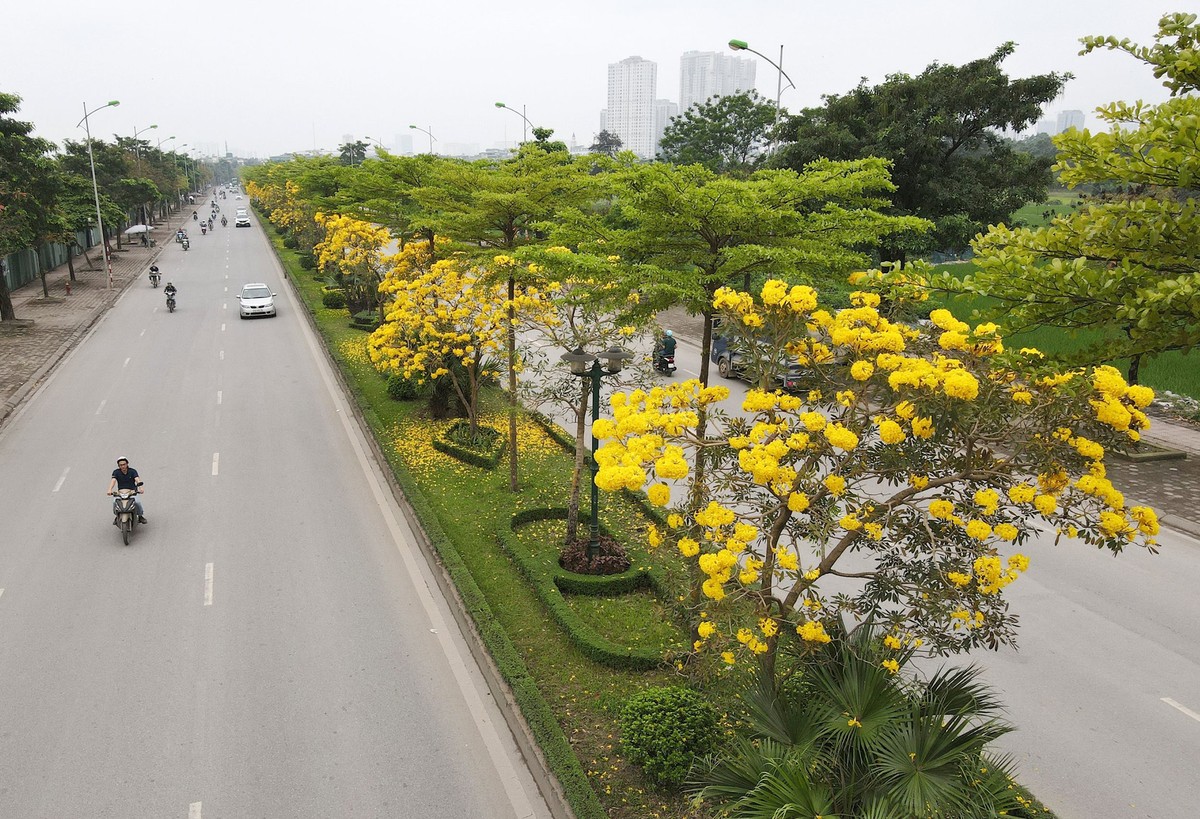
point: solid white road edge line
(1182, 708)
(208, 583)
(216, 461)
(517, 797)
(62, 478)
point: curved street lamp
(95, 190)
(521, 114)
(429, 133)
(586, 365)
(740, 45)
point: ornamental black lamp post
(586, 365)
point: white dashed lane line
(1181, 708)
(216, 461)
(61, 478)
(100, 408)
(208, 584)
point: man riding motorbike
(154, 275)
(126, 477)
(170, 292)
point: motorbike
(224, 222)
(170, 302)
(179, 236)
(186, 244)
(195, 216)
(125, 512)
(664, 363)
(154, 277)
(203, 228)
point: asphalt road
(1105, 687)
(272, 644)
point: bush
(400, 388)
(365, 320)
(665, 729)
(334, 299)
(308, 261)
(290, 242)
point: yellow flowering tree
(449, 321)
(354, 249)
(898, 490)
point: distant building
(404, 144)
(630, 114)
(1068, 120)
(664, 110)
(705, 74)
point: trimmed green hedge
(483, 460)
(549, 581)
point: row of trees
(892, 501)
(46, 192)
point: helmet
(668, 333)
(122, 458)
(170, 285)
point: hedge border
(474, 457)
(499, 657)
(590, 644)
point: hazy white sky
(268, 77)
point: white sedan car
(256, 300)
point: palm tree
(846, 737)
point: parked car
(256, 300)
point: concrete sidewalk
(1171, 487)
(47, 328)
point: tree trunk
(512, 386)
(6, 305)
(581, 454)
(1135, 364)
(71, 261)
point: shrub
(400, 388)
(334, 299)
(290, 242)
(664, 730)
(308, 261)
(365, 320)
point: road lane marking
(208, 583)
(100, 408)
(194, 810)
(222, 328)
(225, 305)
(126, 364)
(1, 592)
(62, 478)
(222, 355)
(216, 460)
(1182, 708)
(218, 396)
(403, 540)
(142, 333)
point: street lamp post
(614, 359)
(429, 133)
(137, 152)
(525, 127)
(95, 189)
(740, 45)
(158, 148)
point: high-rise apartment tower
(630, 112)
(704, 74)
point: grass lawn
(1174, 371)
(463, 507)
(1037, 214)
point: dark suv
(731, 363)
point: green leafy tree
(606, 143)
(542, 140)
(498, 207)
(25, 210)
(940, 132)
(1124, 264)
(724, 134)
(353, 153)
(683, 232)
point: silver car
(256, 300)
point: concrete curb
(548, 785)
